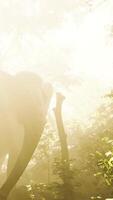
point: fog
(69, 45)
(64, 42)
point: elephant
(24, 102)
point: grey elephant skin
(24, 102)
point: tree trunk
(68, 193)
(59, 121)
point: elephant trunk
(29, 145)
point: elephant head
(29, 99)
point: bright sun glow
(83, 48)
(93, 55)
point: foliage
(63, 189)
(90, 175)
(105, 161)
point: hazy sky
(65, 40)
